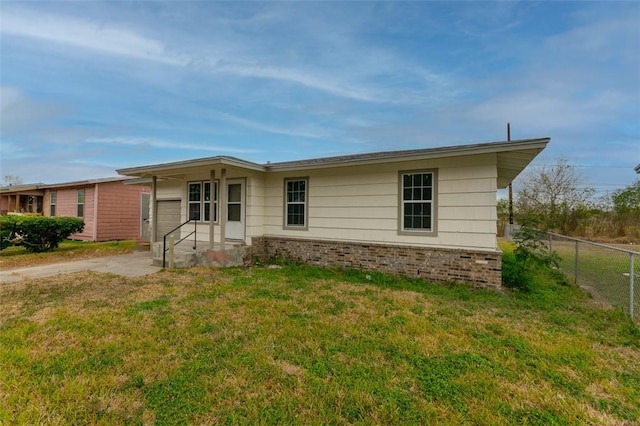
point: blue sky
(89, 87)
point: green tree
(626, 205)
(503, 214)
(553, 196)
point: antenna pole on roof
(510, 185)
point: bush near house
(37, 233)
(528, 260)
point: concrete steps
(185, 256)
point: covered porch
(201, 207)
(22, 200)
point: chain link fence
(610, 274)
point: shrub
(38, 233)
(8, 226)
(519, 268)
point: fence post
(631, 282)
(550, 244)
(577, 255)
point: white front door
(235, 210)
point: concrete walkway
(135, 264)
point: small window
(200, 201)
(296, 203)
(80, 197)
(195, 201)
(53, 199)
(417, 201)
(234, 203)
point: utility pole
(510, 185)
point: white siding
(360, 203)
(170, 189)
(255, 191)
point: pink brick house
(111, 209)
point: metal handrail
(164, 239)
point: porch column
(212, 207)
(154, 210)
(223, 206)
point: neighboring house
(427, 212)
(111, 209)
(22, 198)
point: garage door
(168, 217)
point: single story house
(111, 209)
(425, 213)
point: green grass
(17, 257)
(303, 345)
(604, 272)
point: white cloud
(19, 112)
(86, 34)
(282, 130)
(158, 143)
(354, 71)
(546, 108)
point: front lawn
(303, 345)
(19, 257)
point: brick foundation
(478, 268)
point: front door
(235, 210)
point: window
(200, 201)
(417, 206)
(234, 203)
(80, 197)
(295, 203)
(53, 199)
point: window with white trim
(53, 199)
(295, 203)
(417, 192)
(199, 201)
(80, 202)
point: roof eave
(423, 154)
(84, 182)
(159, 169)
